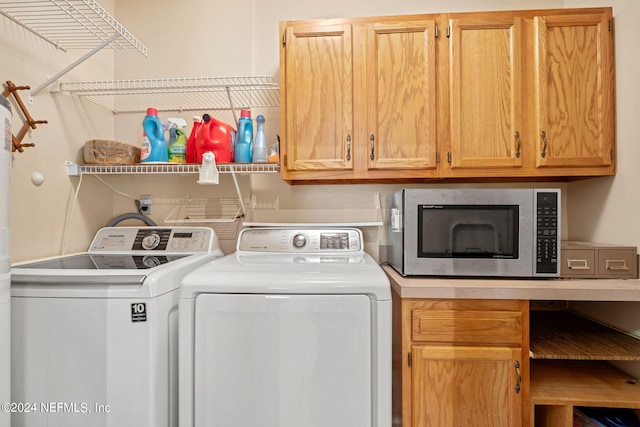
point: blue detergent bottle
(244, 138)
(154, 144)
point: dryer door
(283, 360)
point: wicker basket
(106, 152)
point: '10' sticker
(139, 312)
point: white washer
(292, 330)
(94, 335)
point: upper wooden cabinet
(400, 93)
(519, 94)
(485, 80)
(574, 90)
(319, 97)
(359, 98)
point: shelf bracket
(235, 182)
(79, 61)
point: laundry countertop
(521, 289)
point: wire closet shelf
(74, 169)
(178, 94)
(70, 24)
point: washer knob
(299, 240)
(151, 241)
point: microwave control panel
(547, 232)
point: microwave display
(468, 231)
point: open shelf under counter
(571, 383)
(569, 367)
(567, 336)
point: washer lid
(105, 275)
(285, 273)
(120, 262)
(88, 261)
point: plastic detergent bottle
(154, 145)
(260, 144)
(177, 146)
(191, 155)
(244, 138)
(215, 136)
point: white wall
(606, 209)
(219, 38)
(214, 38)
(187, 39)
(601, 209)
(39, 214)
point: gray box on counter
(588, 260)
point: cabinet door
(401, 95)
(466, 386)
(574, 94)
(485, 85)
(318, 97)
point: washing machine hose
(131, 215)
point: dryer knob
(299, 240)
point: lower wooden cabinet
(461, 363)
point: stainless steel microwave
(511, 232)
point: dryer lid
(304, 274)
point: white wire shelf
(74, 169)
(178, 94)
(223, 215)
(69, 24)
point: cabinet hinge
(409, 359)
(449, 31)
(437, 157)
(284, 38)
(449, 156)
(285, 160)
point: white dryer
(293, 330)
(94, 335)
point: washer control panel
(308, 240)
(156, 239)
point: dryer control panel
(308, 240)
(156, 239)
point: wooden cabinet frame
(471, 96)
